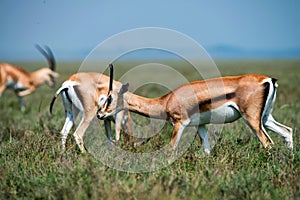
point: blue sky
(73, 28)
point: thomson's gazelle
(24, 83)
(84, 92)
(218, 100)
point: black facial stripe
(109, 100)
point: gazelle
(24, 83)
(218, 100)
(84, 92)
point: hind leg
(71, 115)
(22, 104)
(282, 130)
(69, 122)
(255, 124)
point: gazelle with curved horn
(218, 100)
(83, 93)
(24, 83)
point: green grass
(31, 165)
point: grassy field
(31, 166)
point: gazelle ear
(124, 88)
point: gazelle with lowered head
(83, 92)
(24, 83)
(219, 100)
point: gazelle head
(48, 75)
(112, 103)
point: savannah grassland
(31, 166)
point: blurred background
(226, 29)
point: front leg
(203, 136)
(176, 135)
(24, 92)
(107, 125)
(123, 123)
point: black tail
(274, 81)
(51, 104)
(55, 96)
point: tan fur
(25, 83)
(246, 92)
(88, 87)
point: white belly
(10, 83)
(226, 113)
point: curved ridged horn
(111, 75)
(48, 55)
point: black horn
(48, 55)
(111, 75)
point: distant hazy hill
(216, 52)
(232, 52)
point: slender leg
(203, 135)
(107, 124)
(80, 130)
(176, 135)
(252, 116)
(282, 130)
(26, 92)
(71, 115)
(118, 124)
(21, 101)
(123, 122)
(22, 104)
(127, 123)
(127, 127)
(258, 129)
(69, 122)
(78, 134)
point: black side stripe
(202, 105)
(219, 98)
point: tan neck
(148, 107)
